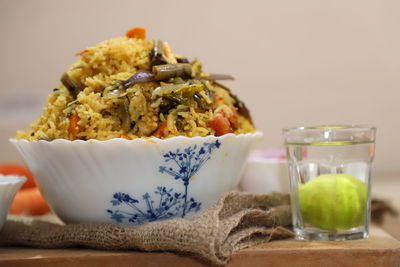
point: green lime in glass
(330, 177)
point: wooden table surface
(379, 250)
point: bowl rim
(11, 179)
(143, 139)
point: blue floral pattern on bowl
(166, 203)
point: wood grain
(379, 250)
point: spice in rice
(130, 87)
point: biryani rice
(98, 71)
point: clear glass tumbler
(330, 180)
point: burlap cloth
(237, 221)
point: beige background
(295, 62)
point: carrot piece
(160, 133)
(29, 201)
(125, 137)
(81, 53)
(137, 32)
(220, 125)
(218, 97)
(234, 121)
(73, 128)
(199, 110)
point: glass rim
(331, 127)
(334, 134)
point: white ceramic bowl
(9, 185)
(136, 181)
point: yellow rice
(97, 71)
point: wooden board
(378, 250)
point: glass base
(311, 233)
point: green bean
(182, 60)
(167, 71)
(172, 89)
(157, 54)
(71, 85)
(124, 115)
(141, 76)
(216, 77)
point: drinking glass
(330, 180)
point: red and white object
(266, 171)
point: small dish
(9, 185)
